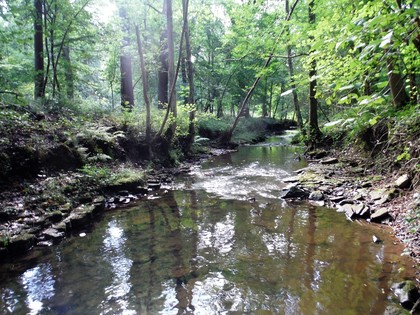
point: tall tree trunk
(400, 97)
(171, 63)
(314, 132)
(144, 81)
(38, 51)
(264, 103)
(293, 86)
(127, 93)
(163, 82)
(190, 73)
(172, 88)
(292, 79)
(68, 73)
(270, 102)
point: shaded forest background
(174, 72)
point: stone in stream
(404, 181)
(53, 234)
(407, 293)
(153, 185)
(316, 195)
(376, 239)
(295, 192)
(354, 211)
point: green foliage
(211, 127)
(404, 156)
(96, 175)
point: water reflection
(218, 237)
(39, 285)
(117, 300)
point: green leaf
(373, 121)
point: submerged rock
(295, 192)
(407, 293)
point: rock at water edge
(404, 181)
(295, 192)
(380, 215)
(316, 195)
(407, 293)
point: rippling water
(204, 248)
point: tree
(190, 75)
(291, 74)
(171, 63)
(314, 132)
(163, 70)
(144, 84)
(127, 93)
(38, 50)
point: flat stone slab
(291, 180)
(380, 215)
(52, 233)
(329, 161)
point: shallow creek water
(221, 241)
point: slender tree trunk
(52, 52)
(270, 103)
(294, 92)
(264, 103)
(190, 74)
(172, 88)
(314, 132)
(163, 82)
(396, 83)
(68, 73)
(144, 81)
(127, 93)
(171, 61)
(38, 51)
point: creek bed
(221, 241)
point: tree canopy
(248, 58)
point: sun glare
(103, 10)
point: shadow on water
(207, 250)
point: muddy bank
(360, 194)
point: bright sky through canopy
(103, 10)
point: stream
(219, 241)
